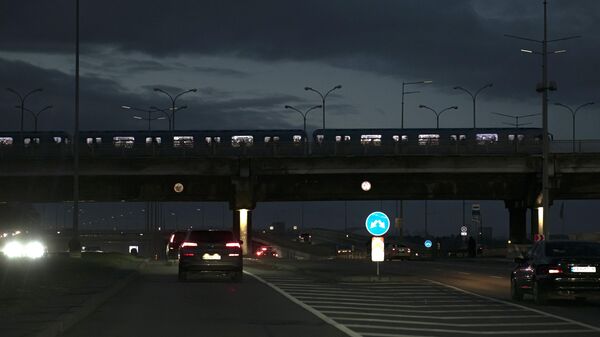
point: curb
(69, 319)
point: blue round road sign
(428, 243)
(377, 223)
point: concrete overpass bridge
(245, 180)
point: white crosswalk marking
(428, 309)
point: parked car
(266, 251)
(214, 251)
(305, 238)
(398, 251)
(557, 268)
(175, 240)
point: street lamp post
(437, 114)
(516, 117)
(22, 101)
(544, 87)
(323, 97)
(36, 115)
(173, 101)
(474, 98)
(148, 111)
(574, 113)
(404, 84)
(303, 114)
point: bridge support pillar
(517, 220)
(242, 228)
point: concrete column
(242, 228)
(517, 221)
(534, 222)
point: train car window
(98, 140)
(27, 141)
(276, 139)
(217, 140)
(396, 138)
(320, 138)
(404, 138)
(429, 139)
(511, 138)
(462, 137)
(89, 141)
(237, 141)
(57, 140)
(148, 140)
(183, 141)
(370, 140)
(297, 138)
(520, 137)
(338, 138)
(6, 141)
(36, 140)
(158, 140)
(486, 138)
(537, 139)
(267, 139)
(346, 138)
(208, 140)
(453, 138)
(124, 142)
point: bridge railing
(578, 146)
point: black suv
(567, 268)
(210, 251)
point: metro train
(292, 142)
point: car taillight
(233, 244)
(259, 253)
(188, 254)
(189, 244)
(553, 270)
(263, 248)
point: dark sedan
(210, 251)
(558, 268)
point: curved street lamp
(474, 97)
(303, 114)
(323, 97)
(437, 114)
(516, 117)
(149, 112)
(574, 113)
(22, 100)
(36, 115)
(173, 100)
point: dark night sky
(250, 58)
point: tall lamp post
(404, 92)
(173, 101)
(22, 99)
(474, 98)
(323, 97)
(516, 117)
(36, 115)
(544, 87)
(148, 111)
(303, 114)
(437, 114)
(574, 113)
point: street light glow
(527, 51)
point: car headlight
(34, 250)
(13, 249)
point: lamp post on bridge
(303, 114)
(516, 117)
(22, 99)
(173, 99)
(573, 114)
(36, 115)
(404, 92)
(474, 98)
(323, 97)
(148, 111)
(437, 114)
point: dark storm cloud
(101, 100)
(455, 42)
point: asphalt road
(337, 298)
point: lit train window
(123, 142)
(183, 141)
(429, 139)
(520, 137)
(98, 140)
(89, 141)
(486, 138)
(57, 140)
(148, 140)
(338, 138)
(320, 138)
(237, 141)
(208, 140)
(396, 138)
(297, 138)
(370, 140)
(267, 139)
(6, 141)
(27, 141)
(404, 138)
(453, 137)
(158, 140)
(462, 137)
(276, 139)
(217, 140)
(346, 138)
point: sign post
(377, 224)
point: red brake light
(233, 244)
(189, 244)
(188, 254)
(259, 253)
(263, 248)
(555, 270)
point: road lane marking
(594, 328)
(409, 306)
(470, 332)
(310, 309)
(391, 300)
(458, 325)
(478, 310)
(451, 318)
